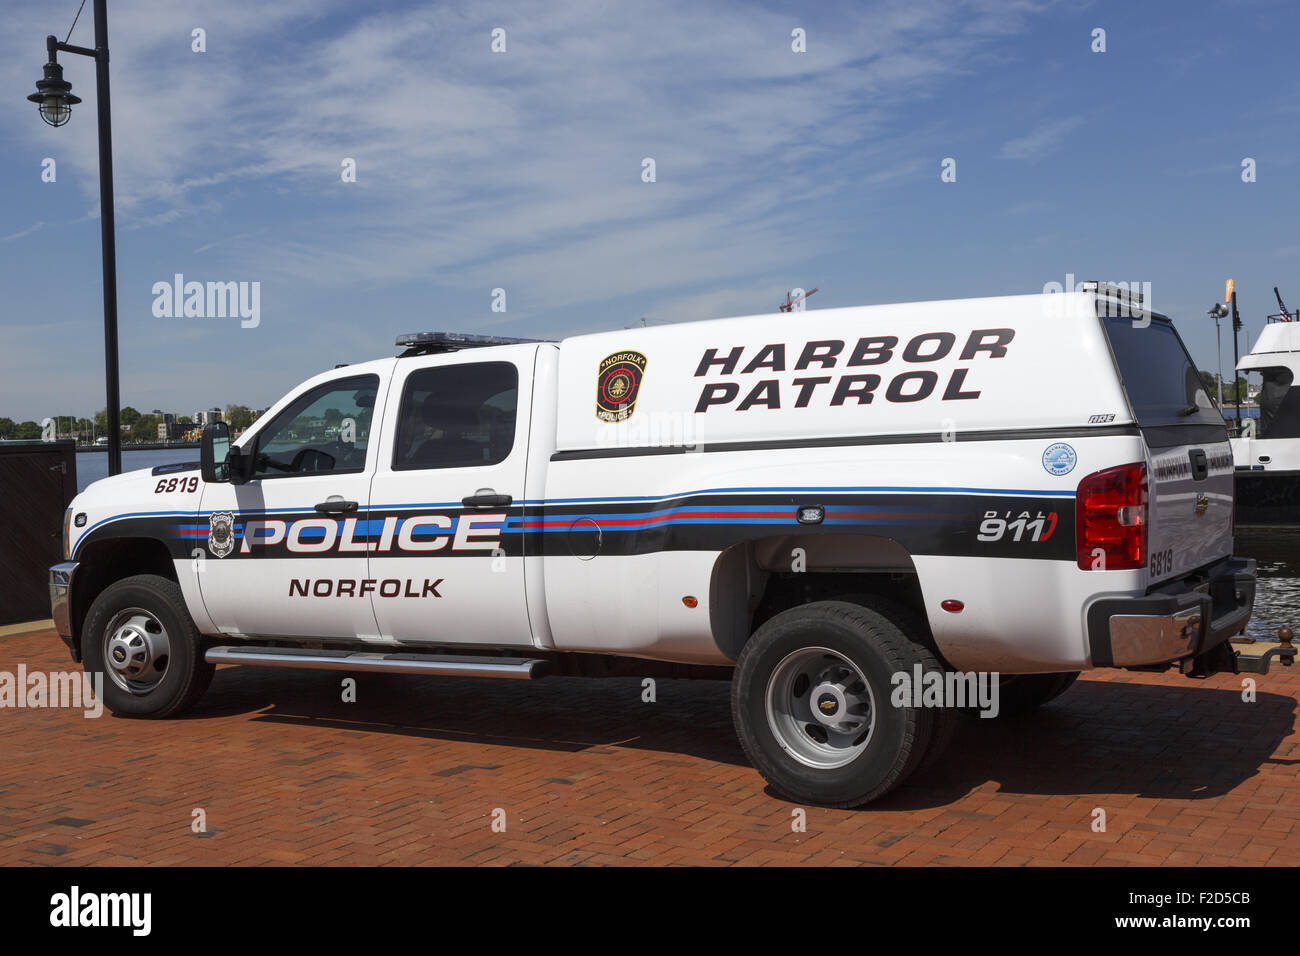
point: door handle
(336, 506)
(486, 501)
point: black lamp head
(54, 95)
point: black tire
(944, 718)
(877, 648)
(914, 624)
(1019, 694)
(165, 690)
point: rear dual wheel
(812, 701)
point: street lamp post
(54, 97)
(1236, 327)
(1216, 313)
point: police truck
(820, 506)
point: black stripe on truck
(842, 441)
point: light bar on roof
(456, 339)
(1108, 289)
(427, 343)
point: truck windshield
(324, 429)
(1170, 399)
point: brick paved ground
(586, 773)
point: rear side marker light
(1111, 519)
(953, 607)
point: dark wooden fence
(38, 480)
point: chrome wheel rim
(136, 650)
(820, 708)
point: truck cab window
(457, 416)
(324, 429)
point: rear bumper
(1180, 620)
(61, 576)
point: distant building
(207, 417)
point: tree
(146, 428)
(1211, 382)
(1231, 390)
(129, 416)
(6, 427)
(185, 420)
(25, 431)
(238, 417)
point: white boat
(1267, 455)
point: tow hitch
(1251, 656)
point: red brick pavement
(586, 773)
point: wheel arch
(105, 561)
(756, 579)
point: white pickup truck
(820, 506)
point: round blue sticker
(1059, 459)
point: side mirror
(214, 452)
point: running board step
(443, 665)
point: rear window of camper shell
(1163, 384)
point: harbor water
(1277, 598)
(93, 465)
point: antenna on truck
(789, 303)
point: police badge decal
(617, 382)
(221, 538)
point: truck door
(447, 499)
(286, 552)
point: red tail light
(1111, 519)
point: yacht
(1267, 454)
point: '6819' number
(176, 484)
(1162, 562)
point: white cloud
(521, 170)
(34, 227)
(467, 157)
(1043, 139)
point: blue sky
(522, 170)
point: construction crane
(789, 303)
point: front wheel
(139, 635)
(813, 703)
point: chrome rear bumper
(1176, 621)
